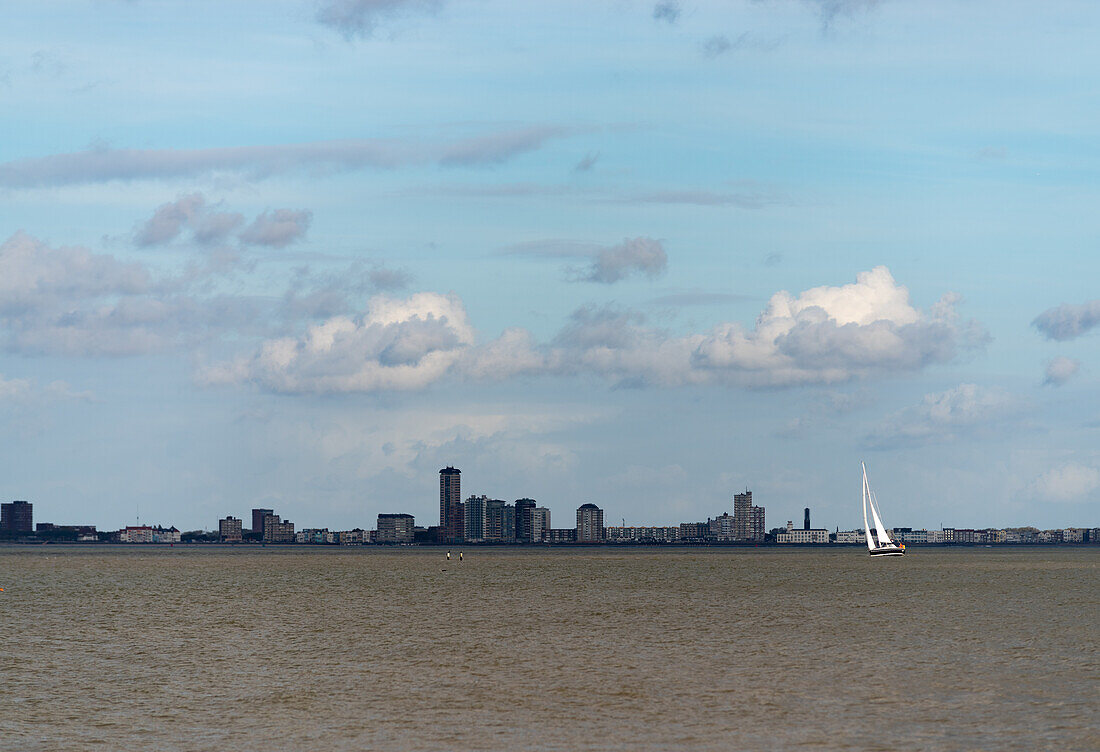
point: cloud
(188, 212)
(360, 18)
(716, 45)
(395, 345)
(23, 391)
(70, 301)
(667, 11)
(943, 416)
(587, 163)
(386, 279)
(1060, 370)
(1068, 321)
(609, 264)
(826, 335)
(1070, 482)
(277, 228)
(697, 297)
(830, 10)
(632, 256)
(835, 334)
(101, 164)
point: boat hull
(888, 551)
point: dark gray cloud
(633, 256)
(667, 11)
(101, 164)
(1068, 321)
(277, 228)
(386, 279)
(360, 18)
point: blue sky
(644, 254)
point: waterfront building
(802, 536)
(230, 529)
(354, 537)
(850, 536)
(642, 534)
(494, 520)
(277, 530)
(748, 520)
(77, 533)
(540, 524)
(395, 528)
(508, 524)
(694, 531)
(17, 517)
(1074, 535)
(722, 528)
(148, 534)
(525, 512)
(589, 524)
(475, 510)
(452, 515)
(258, 520)
(314, 535)
(561, 535)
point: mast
(866, 527)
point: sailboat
(883, 546)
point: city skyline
(301, 254)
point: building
(17, 517)
(804, 535)
(475, 511)
(806, 519)
(589, 524)
(849, 536)
(508, 524)
(525, 511)
(356, 537)
(258, 519)
(315, 536)
(147, 534)
(77, 533)
(642, 534)
(452, 516)
(1074, 535)
(494, 520)
(561, 535)
(748, 521)
(694, 531)
(230, 529)
(278, 531)
(395, 528)
(540, 524)
(721, 528)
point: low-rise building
(312, 535)
(802, 535)
(1074, 535)
(562, 535)
(693, 531)
(721, 528)
(643, 534)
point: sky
(302, 254)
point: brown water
(209, 648)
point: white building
(793, 535)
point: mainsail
(866, 527)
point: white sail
(880, 529)
(866, 527)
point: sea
(292, 648)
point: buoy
(460, 556)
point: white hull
(892, 551)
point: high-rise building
(722, 528)
(276, 530)
(494, 520)
(395, 528)
(540, 524)
(452, 522)
(17, 517)
(525, 513)
(748, 521)
(508, 523)
(229, 529)
(475, 511)
(589, 523)
(258, 519)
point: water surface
(208, 647)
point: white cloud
(395, 345)
(943, 416)
(825, 335)
(1070, 482)
(1060, 370)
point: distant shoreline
(525, 546)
